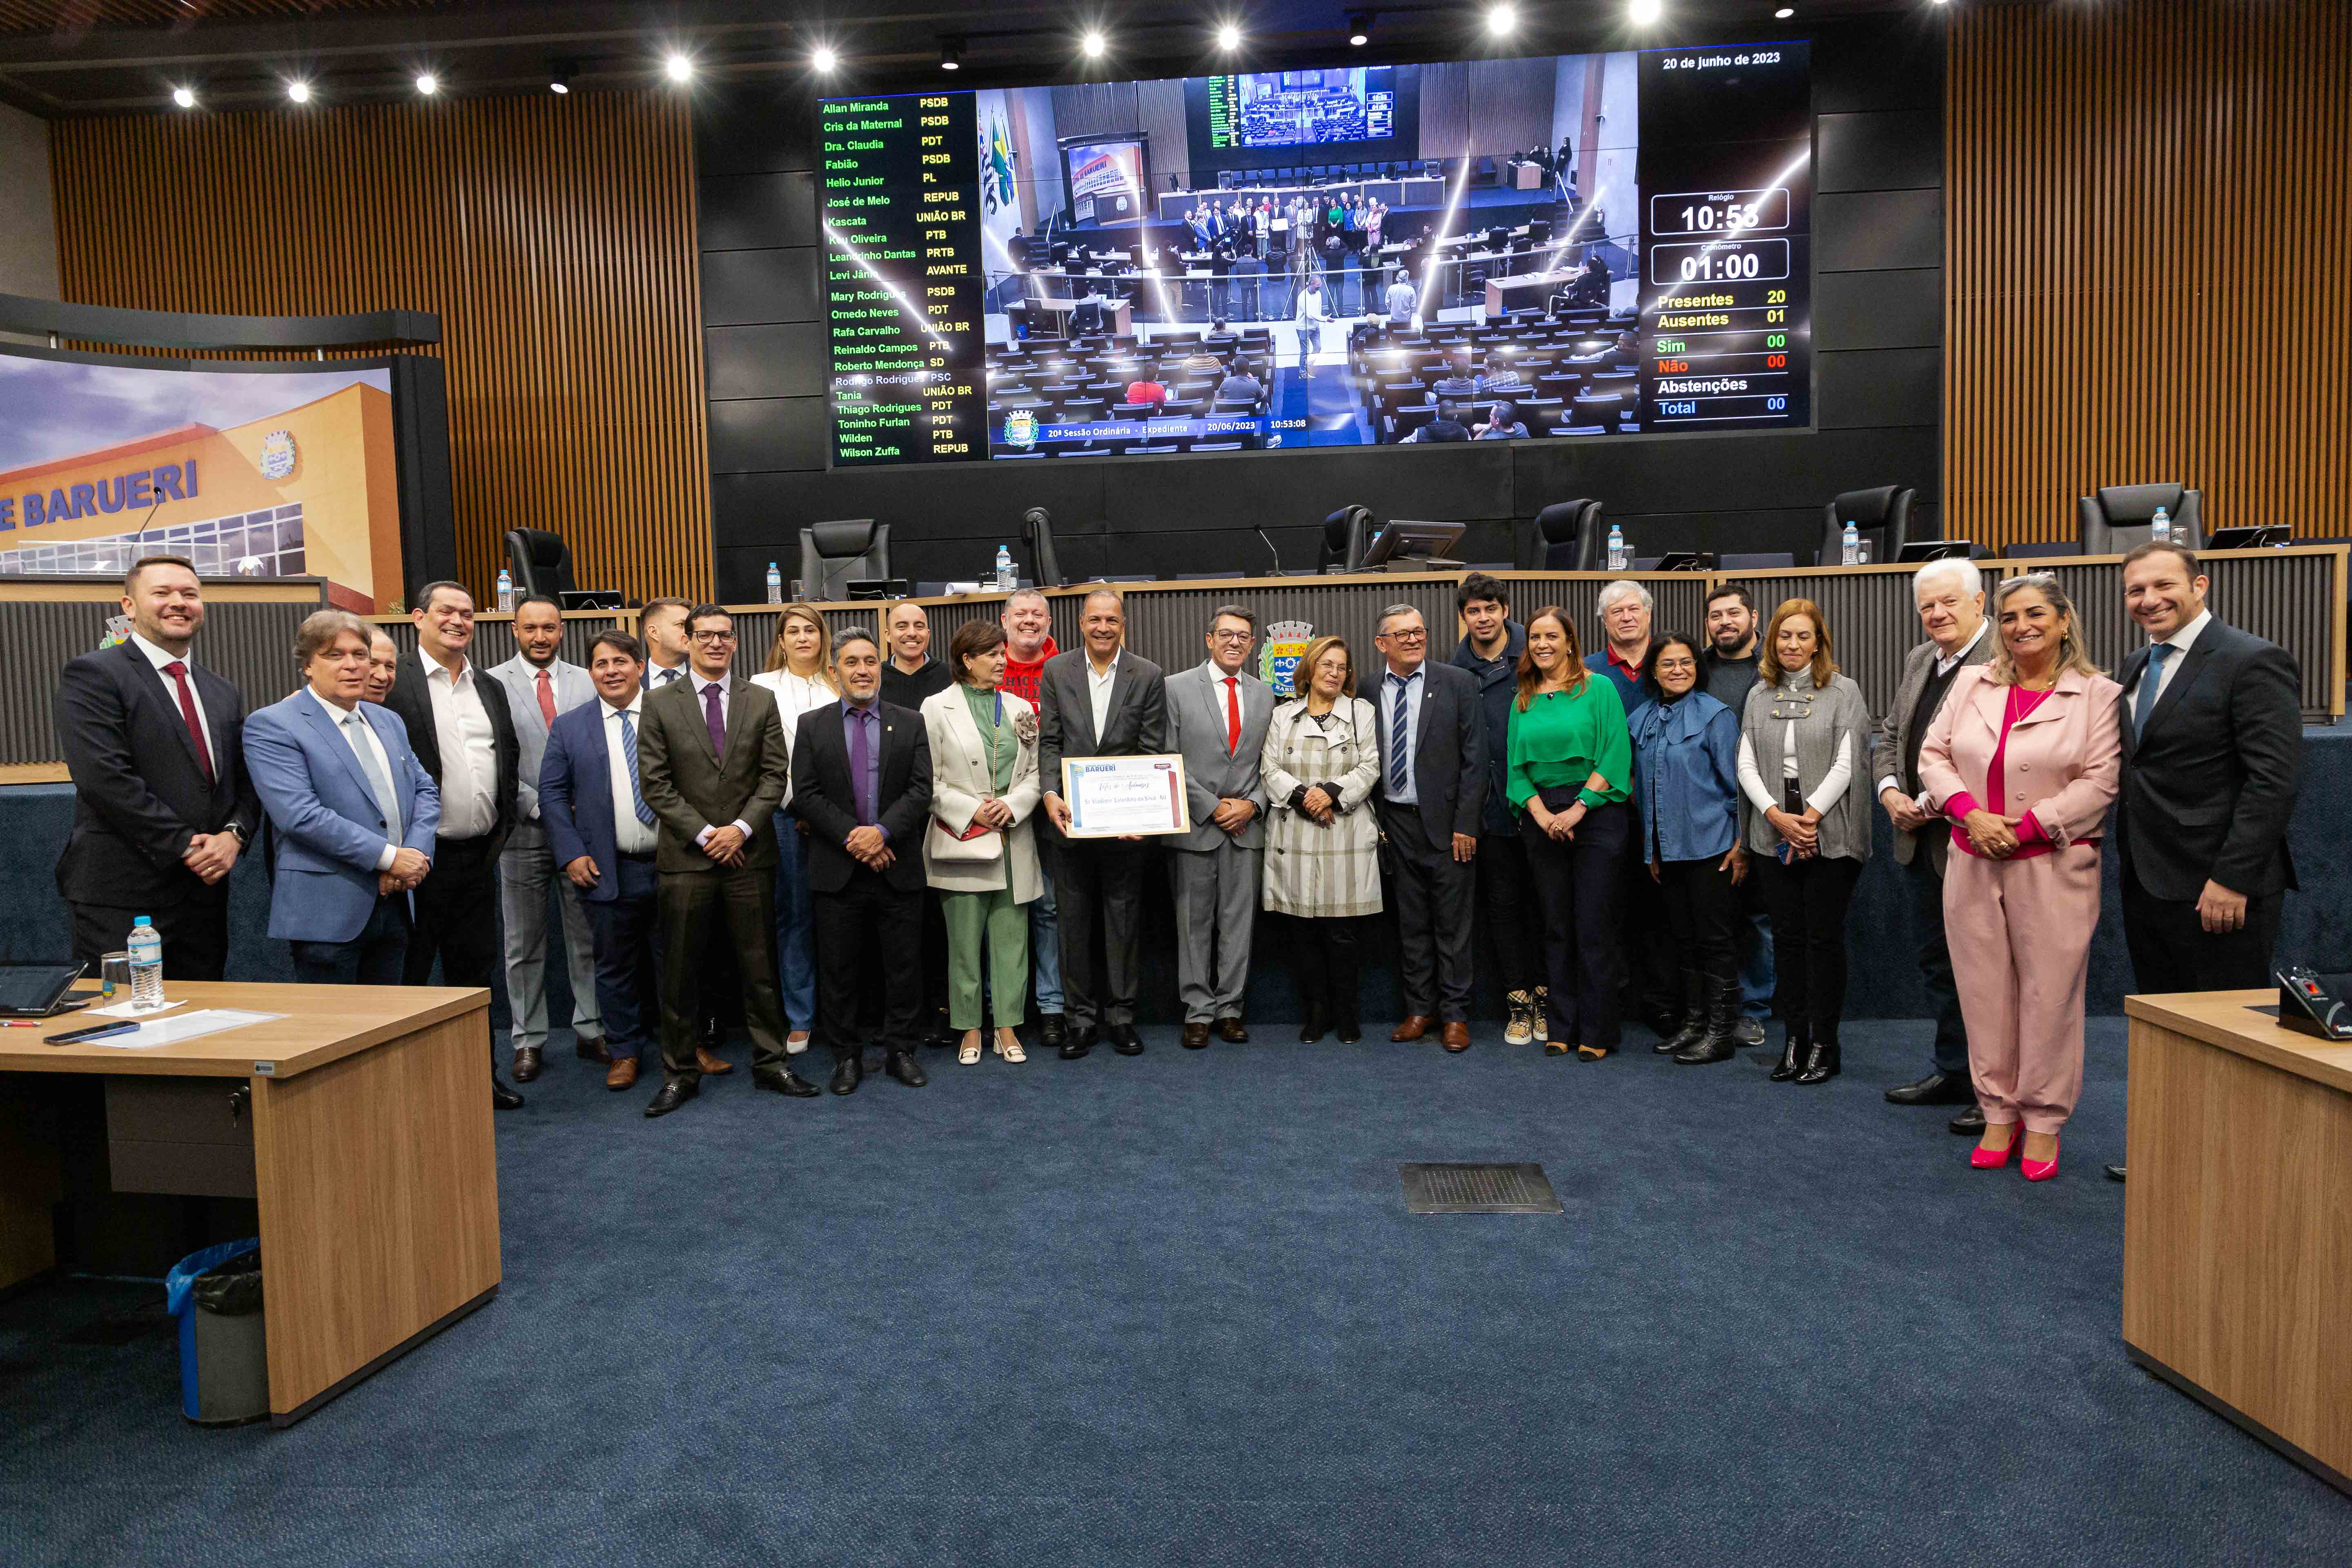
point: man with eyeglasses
(713, 766)
(1217, 716)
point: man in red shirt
(1029, 642)
(1146, 391)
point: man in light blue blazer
(601, 833)
(353, 812)
(540, 686)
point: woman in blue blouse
(1687, 758)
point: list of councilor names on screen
(903, 279)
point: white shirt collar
(160, 657)
(633, 710)
(1944, 661)
(1093, 673)
(434, 666)
(703, 682)
(334, 715)
(2186, 637)
(1218, 677)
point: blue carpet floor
(1172, 1310)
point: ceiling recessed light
(1360, 28)
(1784, 13)
(822, 58)
(1502, 21)
(679, 67)
(1093, 45)
(1645, 12)
(950, 54)
(300, 91)
(1228, 36)
(428, 84)
(186, 97)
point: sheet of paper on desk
(187, 1026)
(133, 1010)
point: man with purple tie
(862, 783)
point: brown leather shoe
(590, 1048)
(1196, 1037)
(526, 1063)
(622, 1075)
(1231, 1030)
(710, 1064)
(1412, 1029)
(1457, 1038)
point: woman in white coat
(979, 851)
(1322, 758)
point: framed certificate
(1110, 797)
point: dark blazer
(2208, 788)
(1449, 755)
(575, 796)
(692, 788)
(1136, 727)
(825, 796)
(1893, 737)
(409, 699)
(139, 795)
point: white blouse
(795, 695)
(1833, 784)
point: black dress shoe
(782, 1080)
(848, 1073)
(592, 1048)
(1938, 1088)
(527, 1063)
(1968, 1123)
(1053, 1032)
(1310, 1029)
(1231, 1031)
(903, 1066)
(670, 1096)
(501, 1097)
(1079, 1043)
(2114, 1173)
(1798, 1041)
(1125, 1040)
(1822, 1059)
(1346, 1031)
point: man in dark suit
(1099, 701)
(1431, 799)
(862, 783)
(2212, 736)
(600, 833)
(1950, 598)
(463, 732)
(713, 764)
(162, 803)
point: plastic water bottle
(2160, 527)
(146, 963)
(1853, 544)
(505, 592)
(1005, 582)
(1616, 548)
(775, 585)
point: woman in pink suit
(2023, 758)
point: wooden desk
(374, 1164)
(1499, 290)
(2238, 1219)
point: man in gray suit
(1099, 701)
(1950, 596)
(1432, 791)
(1217, 714)
(540, 685)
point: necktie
(546, 699)
(179, 674)
(629, 754)
(860, 764)
(1397, 742)
(1233, 715)
(386, 801)
(2144, 700)
(716, 718)
(663, 678)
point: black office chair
(2116, 520)
(1038, 539)
(1882, 515)
(540, 562)
(1347, 535)
(834, 554)
(1569, 535)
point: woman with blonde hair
(2024, 757)
(1321, 762)
(800, 673)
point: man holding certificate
(1104, 712)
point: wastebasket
(224, 1361)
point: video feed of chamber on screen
(1344, 257)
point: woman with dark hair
(1686, 754)
(979, 851)
(1804, 766)
(800, 673)
(1321, 762)
(1570, 769)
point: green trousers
(995, 918)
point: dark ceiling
(117, 56)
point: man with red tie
(162, 803)
(1217, 715)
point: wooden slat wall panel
(554, 238)
(2148, 217)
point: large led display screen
(1580, 246)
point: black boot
(1720, 1043)
(1345, 983)
(1792, 1051)
(1694, 1025)
(1822, 1061)
(1311, 1028)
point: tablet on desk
(37, 990)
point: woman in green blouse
(1571, 763)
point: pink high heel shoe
(1984, 1159)
(2039, 1170)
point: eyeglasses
(1231, 637)
(1408, 638)
(713, 637)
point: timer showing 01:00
(1718, 261)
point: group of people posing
(1673, 824)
